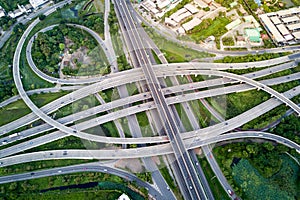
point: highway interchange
(155, 98)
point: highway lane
(197, 135)
(186, 97)
(39, 91)
(140, 97)
(89, 167)
(161, 149)
(209, 83)
(183, 160)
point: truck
(13, 135)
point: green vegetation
(6, 22)
(214, 184)
(7, 88)
(274, 171)
(38, 165)
(24, 189)
(250, 58)
(225, 3)
(173, 51)
(11, 5)
(86, 193)
(18, 108)
(177, 7)
(228, 41)
(254, 186)
(289, 128)
(210, 27)
(146, 176)
(165, 173)
(49, 46)
(296, 2)
(237, 103)
(183, 117)
(144, 124)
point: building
(233, 24)
(200, 3)
(180, 15)
(253, 35)
(233, 4)
(251, 19)
(18, 12)
(2, 12)
(191, 24)
(170, 22)
(282, 26)
(123, 197)
(37, 3)
(192, 9)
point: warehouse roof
(191, 24)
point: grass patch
(210, 27)
(38, 165)
(19, 109)
(173, 51)
(214, 184)
(183, 117)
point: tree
(42, 17)
(61, 46)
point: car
(1, 163)
(105, 170)
(32, 173)
(65, 153)
(59, 171)
(197, 163)
(168, 188)
(51, 154)
(230, 192)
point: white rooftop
(282, 29)
(37, 3)
(271, 27)
(290, 19)
(191, 8)
(296, 35)
(275, 20)
(191, 24)
(201, 3)
(293, 27)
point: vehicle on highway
(230, 192)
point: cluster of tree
(228, 41)
(146, 176)
(113, 21)
(95, 22)
(296, 2)
(7, 87)
(46, 51)
(250, 58)
(265, 158)
(12, 4)
(6, 22)
(254, 186)
(225, 3)
(122, 63)
(289, 128)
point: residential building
(37, 3)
